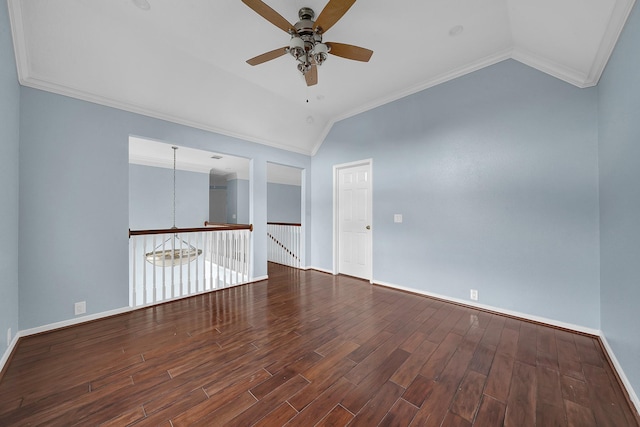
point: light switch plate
(397, 218)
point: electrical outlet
(474, 295)
(9, 337)
(80, 307)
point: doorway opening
(174, 249)
(285, 239)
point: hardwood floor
(304, 349)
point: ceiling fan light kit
(306, 44)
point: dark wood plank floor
(307, 348)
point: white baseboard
(84, 319)
(89, 318)
(595, 332)
(7, 353)
(632, 394)
(56, 325)
(616, 365)
(321, 270)
(545, 320)
(72, 322)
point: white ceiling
(160, 154)
(184, 61)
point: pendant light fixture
(173, 251)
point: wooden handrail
(292, 224)
(219, 227)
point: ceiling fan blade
(312, 76)
(269, 14)
(332, 12)
(350, 51)
(268, 56)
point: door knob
(368, 227)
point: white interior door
(354, 210)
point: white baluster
(132, 293)
(144, 276)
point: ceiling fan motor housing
(306, 13)
(306, 44)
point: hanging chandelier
(179, 252)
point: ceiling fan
(306, 44)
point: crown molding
(42, 84)
(27, 78)
(619, 16)
(618, 19)
(19, 43)
(546, 66)
(614, 28)
(458, 72)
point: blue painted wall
(283, 203)
(74, 200)
(619, 107)
(9, 160)
(232, 201)
(238, 201)
(151, 198)
(496, 174)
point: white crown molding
(558, 71)
(613, 30)
(458, 72)
(19, 43)
(28, 79)
(323, 135)
(619, 15)
(42, 84)
(618, 19)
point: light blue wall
(232, 201)
(151, 198)
(619, 107)
(238, 201)
(74, 200)
(9, 196)
(283, 204)
(496, 174)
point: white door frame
(336, 214)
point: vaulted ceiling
(184, 61)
